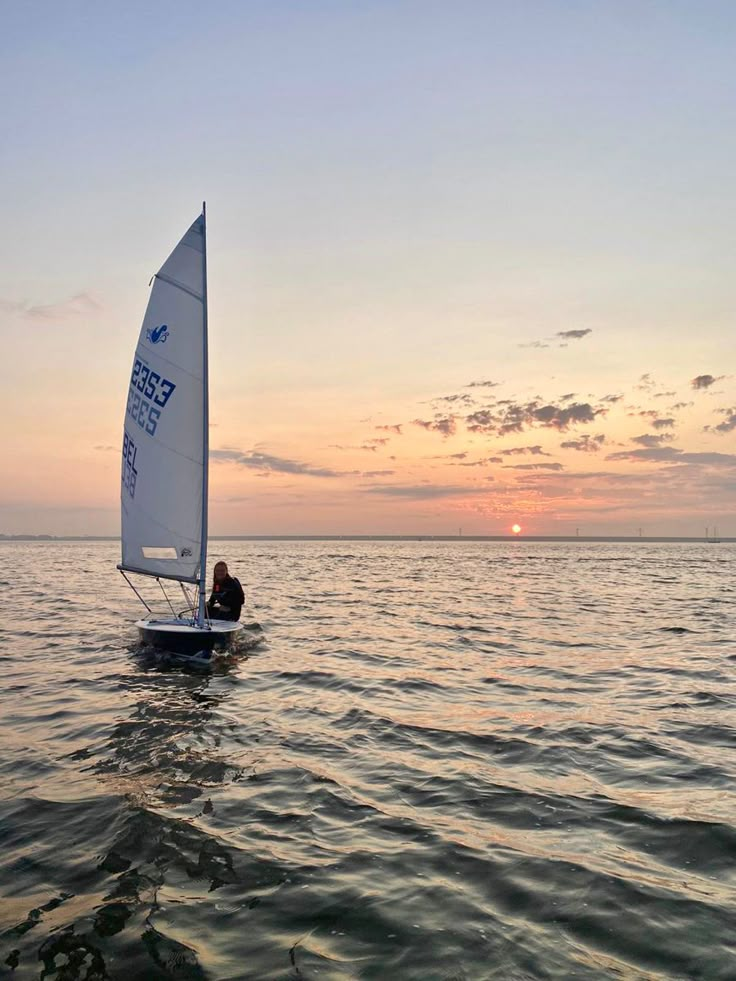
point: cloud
(576, 475)
(237, 500)
(680, 405)
(79, 305)
(391, 429)
(584, 444)
(516, 450)
(611, 398)
(480, 463)
(511, 417)
(536, 466)
(561, 335)
(662, 454)
(704, 381)
(267, 463)
(106, 449)
(461, 397)
(483, 384)
(671, 454)
(371, 444)
(481, 421)
(729, 424)
(445, 425)
(663, 423)
(646, 383)
(423, 491)
(559, 418)
(650, 440)
(378, 473)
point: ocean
(427, 760)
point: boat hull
(178, 636)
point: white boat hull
(179, 636)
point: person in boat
(227, 598)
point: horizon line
(394, 538)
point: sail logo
(157, 335)
(186, 552)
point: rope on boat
(136, 591)
(189, 602)
(173, 611)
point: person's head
(220, 571)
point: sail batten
(164, 450)
(179, 286)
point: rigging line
(173, 611)
(136, 591)
(188, 598)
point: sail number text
(147, 396)
(130, 474)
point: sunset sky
(471, 264)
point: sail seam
(165, 446)
(179, 286)
(146, 357)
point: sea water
(455, 760)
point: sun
(516, 529)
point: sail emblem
(186, 552)
(157, 335)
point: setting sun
(516, 529)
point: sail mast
(205, 431)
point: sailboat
(163, 492)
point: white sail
(164, 466)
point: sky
(470, 264)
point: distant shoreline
(391, 538)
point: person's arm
(225, 599)
(214, 603)
(234, 599)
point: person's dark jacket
(229, 593)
